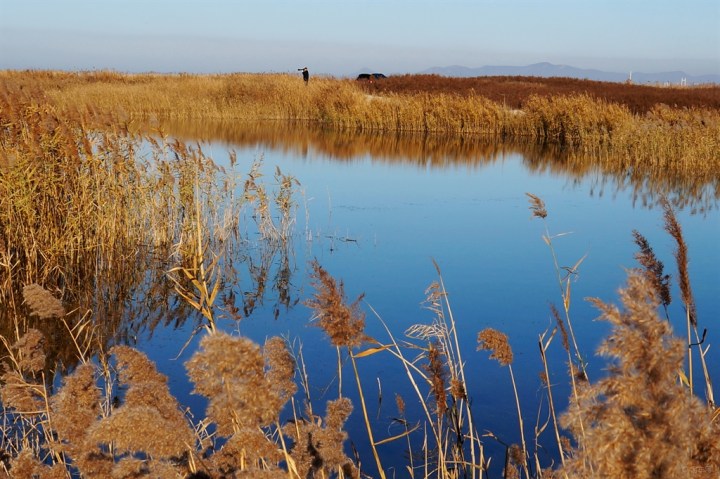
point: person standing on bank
(305, 74)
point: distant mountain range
(545, 69)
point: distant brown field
(514, 91)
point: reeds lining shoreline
(664, 137)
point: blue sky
(343, 36)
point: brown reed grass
(653, 268)
(655, 137)
(639, 422)
(127, 199)
(672, 226)
(42, 303)
(318, 443)
(432, 359)
(145, 432)
(343, 323)
(493, 340)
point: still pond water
(376, 211)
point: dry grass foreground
(638, 422)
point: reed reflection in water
(611, 172)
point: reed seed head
(653, 268)
(344, 324)
(230, 372)
(280, 368)
(142, 429)
(31, 351)
(318, 451)
(437, 377)
(537, 206)
(149, 420)
(20, 395)
(250, 451)
(76, 407)
(497, 342)
(42, 303)
(639, 421)
(400, 403)
(457, 389)
(516, 455)
(561, 325)
(672, 226)
(27, 465)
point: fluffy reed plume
(639, 422)
(30, 351)
(318, 450)
(26, 465)
(400, 403)
(42, 303)
(437, 377)
(149, 420)
(672, 226)
(230, 372)
(537, 206)
(280, 368)
(22, 380)
(653, 268)
(21, 395)
(514, 462)
(131, 468)
(343, 323)
(75, 408)
(490, 339)
(561, 326)
(247, 389)
(457, 390)
(248, 453)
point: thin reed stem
(520, 423)
(366, 416)
(551, 402)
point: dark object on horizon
(305, 74)
(370, 77)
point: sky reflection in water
(381, 209)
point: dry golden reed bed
(82, 216)
(662, 137)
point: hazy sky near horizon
(342, 37)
